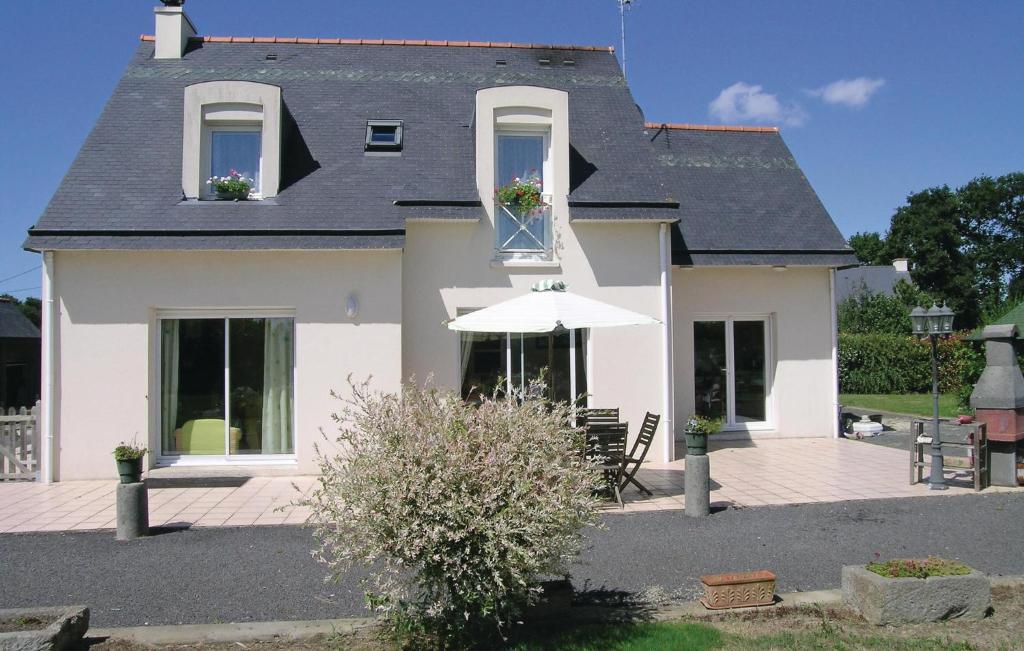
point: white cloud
(854, 93)
(743, 102)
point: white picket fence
(19, 443)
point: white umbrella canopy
(546, 309)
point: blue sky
(928, 93)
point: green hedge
(889, 363)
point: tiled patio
(743, 474)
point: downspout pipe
(48, 411)
(834, 324)
(668, 397)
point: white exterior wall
(107, 336)
(447, 267)
(799, 304)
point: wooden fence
(19, 443)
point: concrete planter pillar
(132, 511)
(697, 485)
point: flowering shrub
(233, 186)
(918, 569)
(524, 194)
(456, 510)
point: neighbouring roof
(14, 324)
(743, 199)
(124, 188)
(874, 279)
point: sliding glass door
(510, 361)
(731, 371)
(226, 386)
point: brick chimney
(901, 265)
(173, 29)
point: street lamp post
(934, 322)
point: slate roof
(14, 324)
(743, 199)
(124, 188)
(875, 279)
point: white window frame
(730, 424)
(227, 459)
(206, 159)
(544, 130)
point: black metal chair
(636, 456)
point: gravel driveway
(209, 575)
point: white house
(213, 331)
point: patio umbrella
(548, 308)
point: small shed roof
(1013, 317)
(14, 324)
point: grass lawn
(694, 636)
(915, 404)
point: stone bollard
(132, 511)
(697, 485)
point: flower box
(738, 590)
(906, 600)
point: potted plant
(129, 462)
(234, 186)
(698, 428)
(522, 194)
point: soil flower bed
(918, 568)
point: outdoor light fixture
(919, 320)
(934, 323)
(352, 306)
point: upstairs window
(383, 135)
(236, 150)
(522, 159)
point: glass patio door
(226, 387)
(731, 371)
(510, 361)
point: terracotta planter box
(738, 590)
(882, 600)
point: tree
(993, 217)
(870, 248)
(929, 231)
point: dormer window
(231, 126)
(383, 135)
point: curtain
(467, 351)
(170, 351)
(277, 386)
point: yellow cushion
(204, 436)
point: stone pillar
(998, 401)
(132, 511)
(697, 485)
